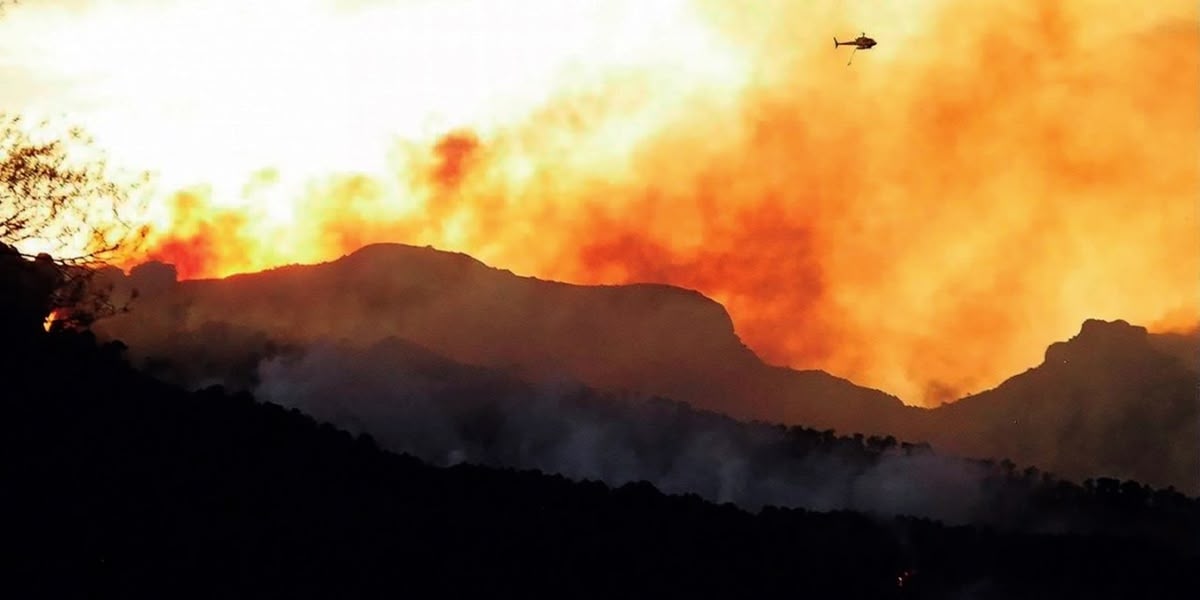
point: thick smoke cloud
(414, 403)
(924, 222)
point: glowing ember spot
(55, 316)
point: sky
(923, 221)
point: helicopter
(862, 42)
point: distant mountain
(1114, 399)
(650, 339)
(1183, 346)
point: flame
(54, 316)
(926, 221)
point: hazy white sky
(206, 89)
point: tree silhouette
(57, 194)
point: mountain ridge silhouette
(649, 338)
(658, 340)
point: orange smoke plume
(925, 221)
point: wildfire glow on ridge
(925, 221)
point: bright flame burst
(51, 318)
(926, 221)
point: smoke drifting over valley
(415, 403)
(566, 379)
(975, 187)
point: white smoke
(444, 413)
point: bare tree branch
(57, 194)
(62, 202)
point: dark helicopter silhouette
(862, 42)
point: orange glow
(51, 318)
(925, 221)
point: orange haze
(924, 221)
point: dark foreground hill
(1120, 406)
(117, 485)
(444, 412)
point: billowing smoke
(990, 175)
(414, 402)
